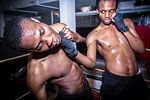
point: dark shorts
(116, 87)
(85, 95)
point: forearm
(135, 42)
(85, 61)
(74, 53)
(127, 28)
(37, 90)
(41, 95)
(78, 38)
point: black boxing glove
(120, 23)
(68, 45)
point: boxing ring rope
(13, 58)
(147, 49)
(1, 61)
(24, 55)
(23, 95)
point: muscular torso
(116, 50)
(57, 68)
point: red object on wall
(144, 33)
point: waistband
(122, 77)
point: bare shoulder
(34, 61)
(92, 36)
(33, 64)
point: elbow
(141, 49)
(92, 66)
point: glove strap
(125, 29)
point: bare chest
(54, 65)
(59, 63)
(111, 39)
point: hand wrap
(68, 45)
(120, 23)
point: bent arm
(35, 81)
(133, 38)
(88, 61)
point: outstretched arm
(36, 81)
(88, 61)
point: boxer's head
(30, 34)
(105, 9)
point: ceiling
(39, 6)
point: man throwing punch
(116, 40)
(48, 62)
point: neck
(54, 51)
(105, 25)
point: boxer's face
(106, 10)
(38, 37)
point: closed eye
(39, 46)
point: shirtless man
(116, 40)
(48, 61)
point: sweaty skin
(114, 47)
(67, 74)
(48, 62)
(117, 41)
(117, 48)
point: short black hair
(13, 33)
(97, 3)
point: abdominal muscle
(73, 82)
(121, 61)
(68, 74)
